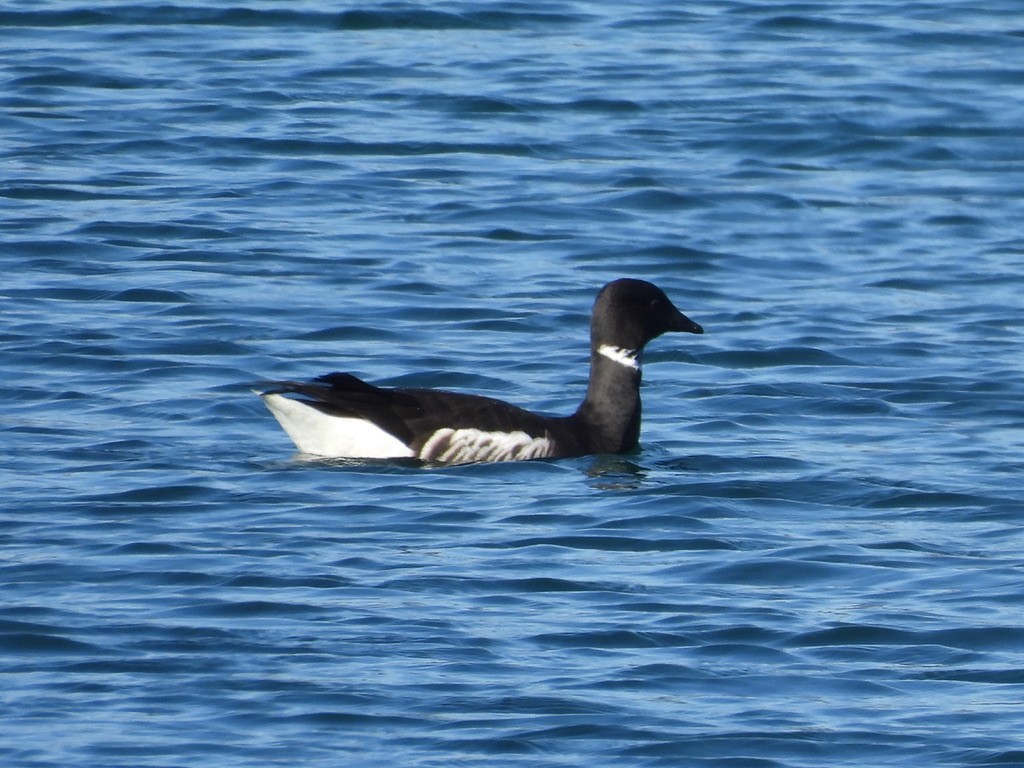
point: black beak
(682, 323)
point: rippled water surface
(814, 560)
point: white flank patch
(627, 357)
(460, 446)
(340, 437)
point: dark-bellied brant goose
(340, 416)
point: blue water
(816, 558)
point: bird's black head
(628, 313)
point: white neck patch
(627, 357)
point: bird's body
(341, 416)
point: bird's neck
(611, 409)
